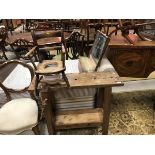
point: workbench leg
(107, 92)
(49, 115)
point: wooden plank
(107, 109)
(48, 101)
(97, 79)
(79, 119)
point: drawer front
(152, 61)
(130, 63)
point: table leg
(106, 96)
(107, 30)
(49, 116)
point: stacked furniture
(80, 104)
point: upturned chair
(92, 29)
(18, 113)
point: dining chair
(75, 45)
(5, 54)
(21, 47)
(92, 29)
(19, 112)
(30, 25)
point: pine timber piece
(79, 118)
(94, 79)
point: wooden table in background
(28, 37)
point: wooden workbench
(104, 81)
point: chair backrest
(49, 40)
(20, 78)
(99, 48)
(92, 29)
(30, 25)
(21, 47)
(75, 43)
(37, 35)
(43, 25)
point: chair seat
(18, 115)
(50, 66)
(87, 64)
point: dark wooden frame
(52, 46)
(16, 62)
(7, 91)
(3, 36)
(75, 43)
(37, 35)
(99, 33)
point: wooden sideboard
(130, 60)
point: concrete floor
(135, 86)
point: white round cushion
(18, 115)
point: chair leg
(36, 130)
(65, 78)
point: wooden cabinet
(129, 60)
(151, 61)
